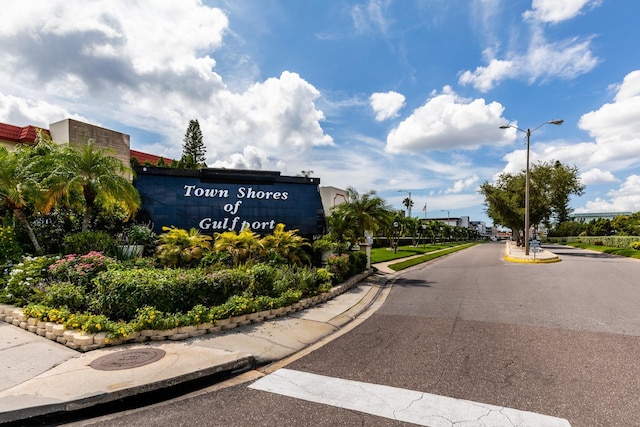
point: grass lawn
(429, 252)
(387, 254)
(628, 252)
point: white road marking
(399, 404)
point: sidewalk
(39, 376)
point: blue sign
(219, 200)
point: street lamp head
(505, 127)
(556, 122)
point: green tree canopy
(20, 185)
(89, 175)
(550, 188)
(193, 150)
(360, 213)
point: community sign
(219, 200)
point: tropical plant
(179, 247)
(138, 234)
(89, 175)
(360, 213)
(20, 186)
(287, 244)
(241, 246)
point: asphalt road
(559, 339)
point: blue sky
(393, 96)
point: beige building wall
(332, 196)
(77, 134)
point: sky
(400, 97)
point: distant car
(494, 239)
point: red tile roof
(19, 134)
(143, 157)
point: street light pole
(527, 177)
(409, 208)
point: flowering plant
(25, 279)
(79, 269)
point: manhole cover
(127, 359)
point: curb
(532, 261)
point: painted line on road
(398, 404)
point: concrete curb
(516, 254)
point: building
(331, 197)
(11, 135)
(76, 134)
(586, 218)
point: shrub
(10, 249)
(182, 248)
(88, 241)
(338, 266)
(635, 245)
(65, 294)
(119, 293)
(357, 262)
(26, 279)
(80, 269)
(262, 280)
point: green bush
(65, 294)
(262, 280)
(88, 241)
(26, 279)
(10, 248)
(120, 293)
(80, 269)
(357, 262)
(339, 267)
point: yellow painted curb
(532, 261)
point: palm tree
(361, 213)
(89, 175)
(408, 203)
(20, 186)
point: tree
(361, 213)
(20, 186)
(193, 150)
(88, 176)
(550, 187)
(627, 225)
(407, 202)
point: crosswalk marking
(399, 404)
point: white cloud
(370, 17)
(540, 60)
(386, 105)
(597, 176)
(447, 121)
(555, 11)
(616, 133)
(463, 184)
(150, 68)
(21, 112)
(625, 199)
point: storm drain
(127, 359)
